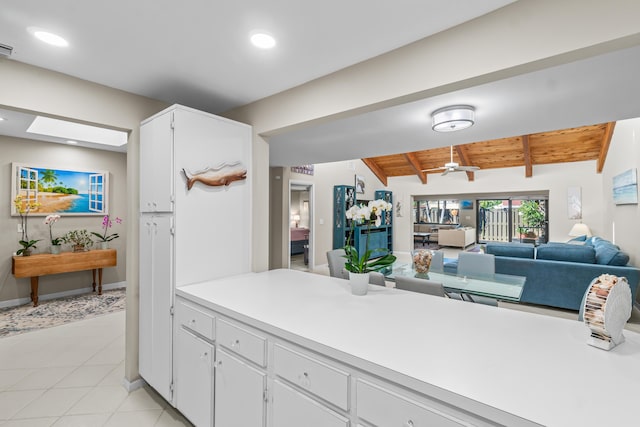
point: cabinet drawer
(243, 342)
(382, 407)
(195, 319)
(312, 375)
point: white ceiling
(197, 54)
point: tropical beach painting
(60, 191)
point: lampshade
(295, 217)
(580, 229)
(453, 118)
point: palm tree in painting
(48, 176)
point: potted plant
(359, 265)
(23, 207)
(103, 237)
(27, 247)
(55, 243)
(78, 239)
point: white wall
(624, 154)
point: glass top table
(499, 286)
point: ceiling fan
(453, 167)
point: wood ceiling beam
(415, 165)
(526, 150)
(379, 173)
(604, 148)
(464, 161)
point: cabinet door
(293, 409)
(240, 393)
(156, 299)
(194, 378)
(156, 165)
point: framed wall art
(61, 191)
(625, 188)
(360, 184)
(574, 202)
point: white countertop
(536, 367)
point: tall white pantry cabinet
(187, 235)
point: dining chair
(423, 286)
(376, 278)
(473, 264)
(336, 259)
(437, 262)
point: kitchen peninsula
(318, 355)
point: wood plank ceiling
(560, 146)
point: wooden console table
(38, 265)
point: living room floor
(450, 252)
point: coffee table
(499, 286)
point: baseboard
(44, 297)
(133, 385)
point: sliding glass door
(513, 220)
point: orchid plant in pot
(103, 237)
(23, 207)
(359, 265)
(55, 243)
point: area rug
(25, 318)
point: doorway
(301, 226)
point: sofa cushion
(609, 254)
(582, 238)
(566, 252)
(513, 249)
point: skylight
(77, 132)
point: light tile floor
(71, 376)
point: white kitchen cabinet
(240, 393)
(188, 234)
(156, 300)
(194, 377)
(156, 165)
(293, 409)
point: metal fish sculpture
(223, 174)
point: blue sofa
(558, 274)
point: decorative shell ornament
(607, 308)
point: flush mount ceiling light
(263, 40)
(77, 131)
(456, 117)
(48, 37)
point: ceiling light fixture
(48, 37)
(456, 117)
(263, 40)
(72, 142)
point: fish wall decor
(221, 175)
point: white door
(156, 300)
(156, 165)
(240, 388)
(194, 378)
(293, 409)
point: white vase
(359, 283)
(104, 245)
(55, 249)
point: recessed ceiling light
(263, 40)
(2, 119)
(48, 37)
(72, 142)
(77, 131)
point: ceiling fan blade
(433, 169)
(468, 168)
(446, 171)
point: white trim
(133, 385)
(20, 301)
